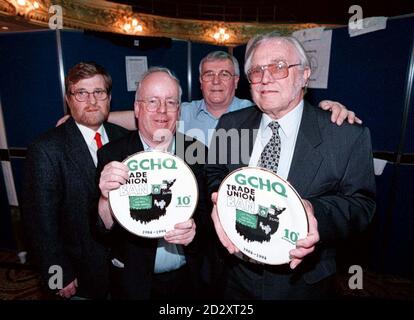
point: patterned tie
(269, 158)
(98, 140)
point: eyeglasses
(278, 70)
(152, 104)
(223, 75)
(83, 95)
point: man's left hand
(307, 245)
(339, 112)
(183, 233)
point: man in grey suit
(330, 166)
(59, 198)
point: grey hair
(259, 39)
(220, 55)
(159, 69)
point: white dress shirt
(288, 131)
(89, 136)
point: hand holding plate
(225, 241)
(307, 245)
(113, 175)
(183, 233)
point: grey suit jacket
(332, 167)
(59, 194)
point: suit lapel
(135, 144)
(109, 132)
(78, 152)
(306, 158)
(252, 123)
(255, 123)
(113, 132)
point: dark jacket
(137, 253)
(332, 167)
(58, 204)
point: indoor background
(372, 74)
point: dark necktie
(98, 140)
(269, 158)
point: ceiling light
(221, 35)
(131, 25)
(127, 27)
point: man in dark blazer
(60, 189)
(142, 267)
(331, 167)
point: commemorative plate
(160, 192)
(262, 214)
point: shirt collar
(171, 147)
(89, 134)
(233, 106)
(288, 123)
(202, 107)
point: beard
(91, 116)
(92, 119)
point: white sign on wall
(317, 44)
(136, 66)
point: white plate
(161, 191)
(262, 214)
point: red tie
(98, 140)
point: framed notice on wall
(317, 44)
(135, 66)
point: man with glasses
(60, 189)
(331, 167)
(166, 268)
(219, 77)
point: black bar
(7, 154)
(405, 158)
(4, 155)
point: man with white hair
(144, 268)
(330, 166)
